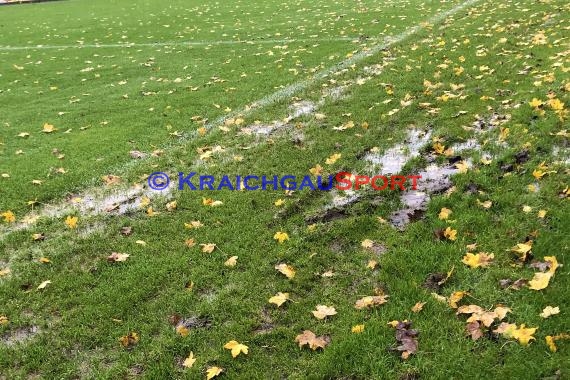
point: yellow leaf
(553, 263)
(323, 311)
(189, 361)
(5, 272)
(316, 170)
(281, 236)
(333, 158)
(455, 297)
(444, 213)
(550, 343)
(236, 348)
(212, 372)
(231, 262)
(524, 335)
(279, 299)
(285, 269)
(279, 202)
(44, 284)
(4, 320)
(535, 103)
(171, 206)
(367, 243)
(371, 264)
(486, 204)
(540, 281)
(182, 330)
(208, 248)
(129, 340)
(462, 166)
(450, 233)
(370, 301)
(418, 307)
(193, 224)
(357, 329)
(71, 222)
(48, 128)
(549, 311)
(8, 216)
(481, 259)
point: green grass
(91, 303)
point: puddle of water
(467, 145)
(394, 159)
(434, 179)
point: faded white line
(134, 45)
(294, 88)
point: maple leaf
(193, 224)
(279, 299)
(236, 348)
(522, 334)
(535, 103)
(171, 206)
(71, 222)
(333, 158)
(540, 281)
(182, 330)
(549, 311)
(367, 243)
(190, 243)
(4, 272)
(129, 340)
(450, 233)
(316, 170)
(522, 249)
(189, 361)
(418, 307)
(212, 372)
(4, 320)
(231, 262)
(8, 216)
(550, 341)
(210, 202)
(323, 311)
(285, 269)
(444, 213)
(407, 338)
(481, 259)
(455, 297)
(279, 202)
(117, 257)
(208, 248)
(370, 301)
(314, 342)
(281, 236)
(474, 330)
(48, 128)
(357, 329)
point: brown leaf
(314, 342)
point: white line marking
(294, 88)
(135, 45)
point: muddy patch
(19, 335)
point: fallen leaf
(44, 284)
(71, 221)
(309, 338)
(236, 348)
(418, 307)
(480, 260)
(323, 311)
(212, 372)
(189, 361)
(117, 257)
(549, 311)
(208, 248)
(281, 236)
(285, 269)
(357, 329)
(370, 301)
(279, 299)
(129, 340)
(231, 262)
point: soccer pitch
(103, 275)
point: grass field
(97, 95)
